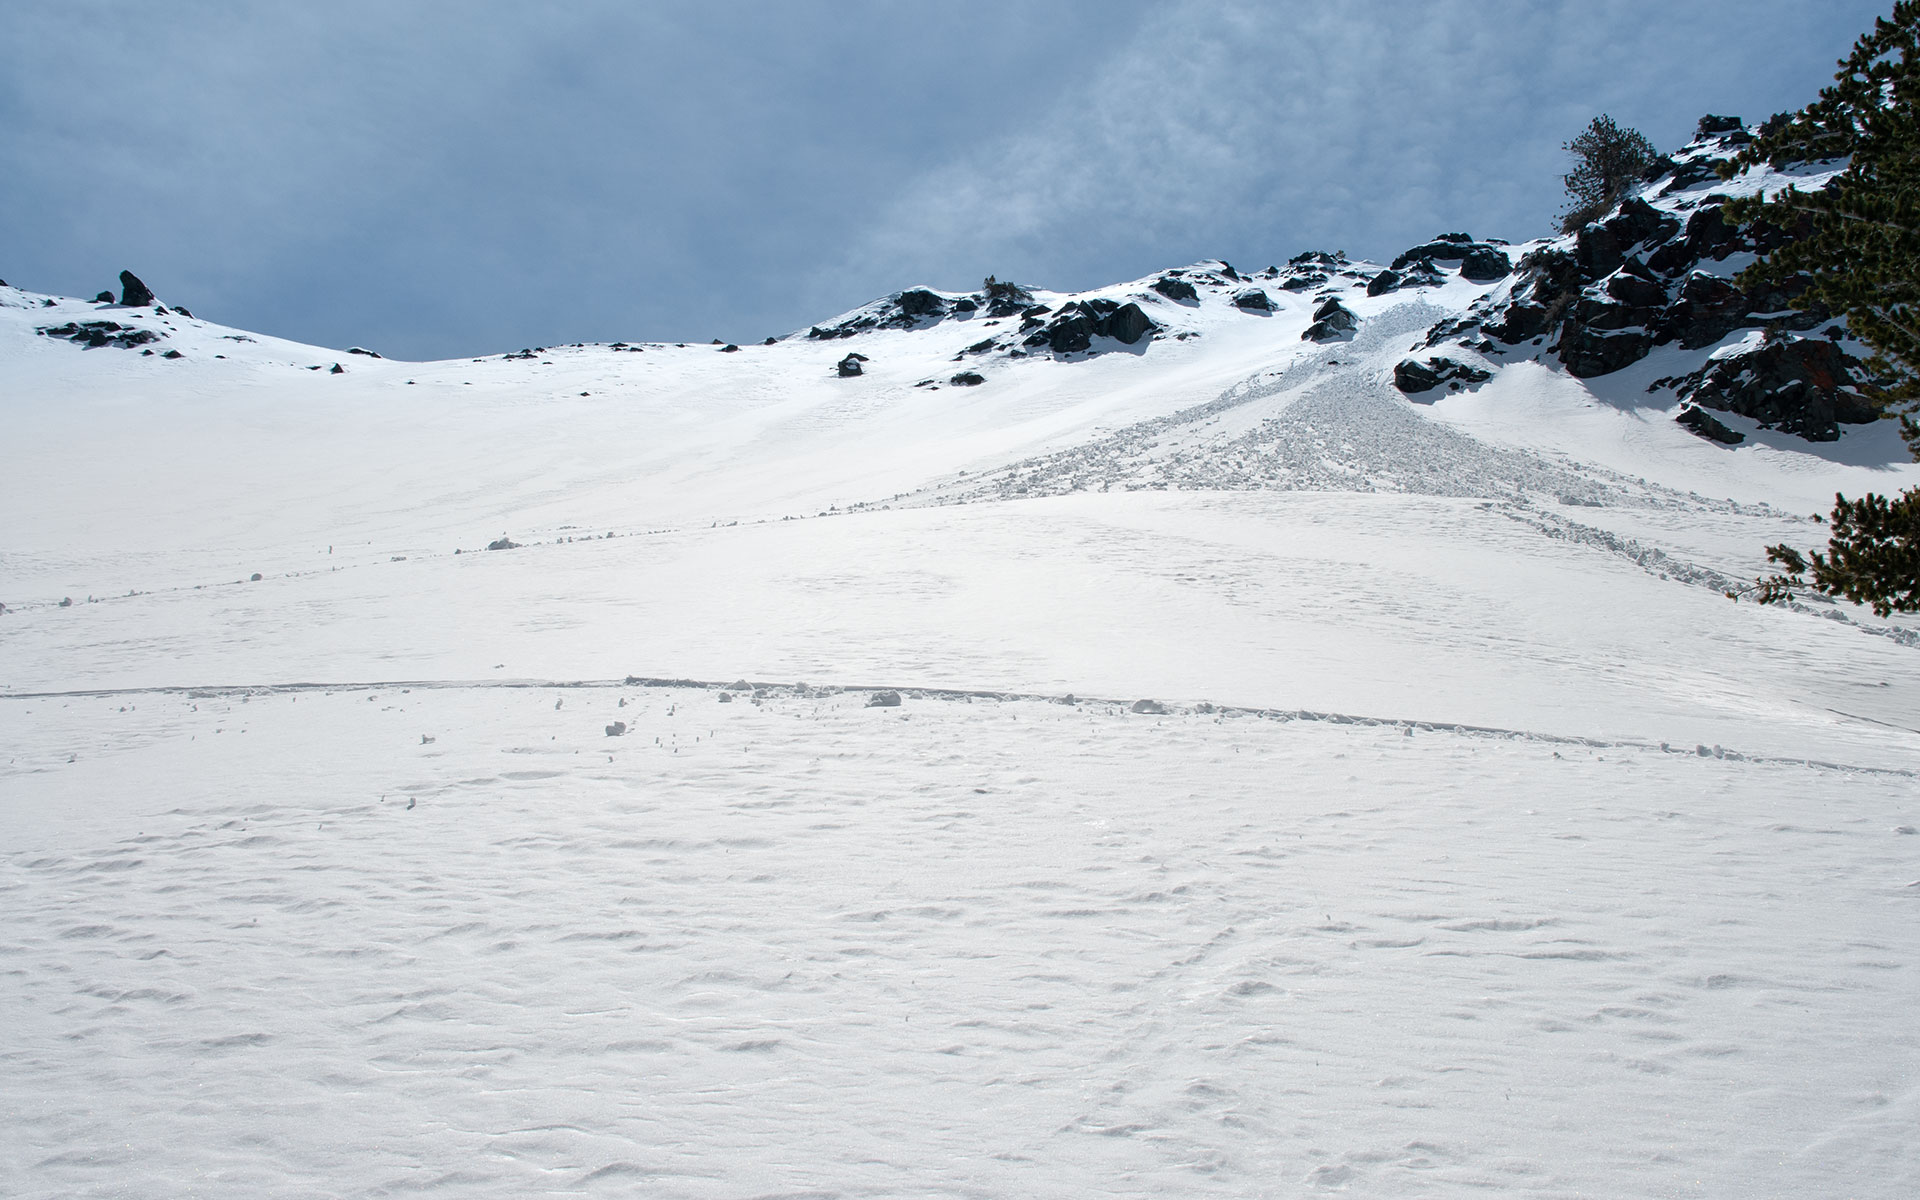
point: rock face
(1639, 277)
(133, 292)
(922, 303)
(1704, 424)
(1803, 386)
(1588, 352)
(1078, 322)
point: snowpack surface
(1482, 845)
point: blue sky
(442, 179)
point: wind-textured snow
(1474, 843)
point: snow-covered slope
(1470, 839)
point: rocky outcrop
(1486, 264)
(94, 334)
(1704, 424)
(1414, 377)
(920, 303)
(133, 292)
(1804, 386)
(1253, 300)
(1176, 289)
(1639, 277)
(1078, 322)
(1332, 321)
(849, 366)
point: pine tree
(1609, 159)
(1857, 243)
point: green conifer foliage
(1857, 243)
(1608, 160)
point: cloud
(441, 179)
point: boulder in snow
(1703, 424)
(133, 292)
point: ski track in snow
(964, 947)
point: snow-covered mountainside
(1231, 732)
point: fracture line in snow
(768, 690)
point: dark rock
(921, 303)
(1176, 289)
(1601, 247)
(1331, 321)
(1004, 298)
(361, 350)
(95, 334)
(1802, 386)
(1413, 377)
(256, 577)
(1442, 250)
(730, 348)
(1521, 320)
(173, 354)
(1069, 333)
(617, 729)
(1485, 264)
(850, 365)
(1635, 292)
(133, 292)
(337, 370)
(104, 298)
(1710, 125)
(1587, 352)
(1129, 323)
(884, 700)
(503, 543)
(1703, 423)
(966, 304)
(1384, 282)
(1707, 309)
(1254, 299)
(1301, 281)
(183, 312)
(968, 379)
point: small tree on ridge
(1608, 158)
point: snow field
(276, 944)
